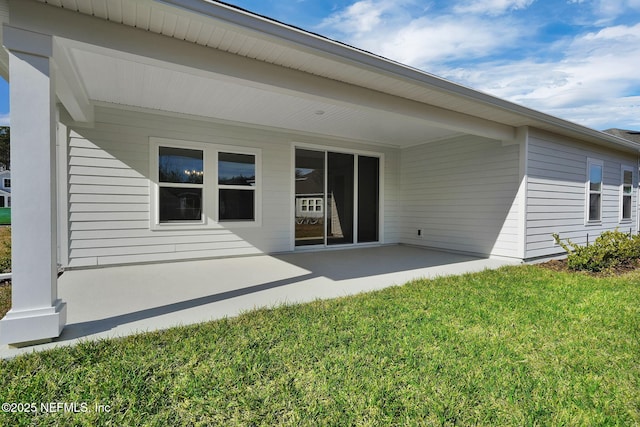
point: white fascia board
(22, 40)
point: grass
(516, 346)
(5, 299)
(5, 266)
(5, 216)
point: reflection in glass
(595, 178)
(236, 169)
(309, 206)
(180, 204)
(180, 165)
(628, 181)
(594, 207)
(368, 198)
(340, 198)
(627, 189)
(236, 205)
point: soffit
(170, 21)
(117, 80)
(374, 73)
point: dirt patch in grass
(5, 298)
(622, 269)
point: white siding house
(157, 131)
(5, 189)
(558, 192)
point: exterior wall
(462, 194)
(556, 192)
(109, 196)
(5, 175)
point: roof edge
(297, 36)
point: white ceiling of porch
(123, 81)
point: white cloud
(605, 11)
(358, 18)
(592, 79)
(492, 7)
(596, 82)
(387, 29)
(4, 119)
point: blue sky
(575, 59)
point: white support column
(36, 314)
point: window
(7, 183)
(236, 186)
(310, 205)
(180, 184)
(594, 190)
(197, 184)
(626, 191)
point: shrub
(610, 249)
(5, 249)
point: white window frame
(623, 169)
(588, 192)
(252, 188)
(210, 186)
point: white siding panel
(462, 194)
(109, 200)
(556, 192)
(109, 225)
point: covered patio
(120, 301)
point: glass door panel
(368, 199)
(310, 197)
(340, 198)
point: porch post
(36, 314)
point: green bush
(5, 249)
(611, 249)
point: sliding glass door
(337, 198)
(310, 197)
(368, 199)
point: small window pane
(595, 178)
(236, 169)
(180, 204)
(180, 165)
(594, 207)
(237, 204)
(626, 207)
(627, 184)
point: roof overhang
(264, 73)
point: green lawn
(5, 216)
(5, 299)
(517, 346)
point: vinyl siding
(462, 194)
(556, 192)
(109, 200)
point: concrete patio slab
(120, 301)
